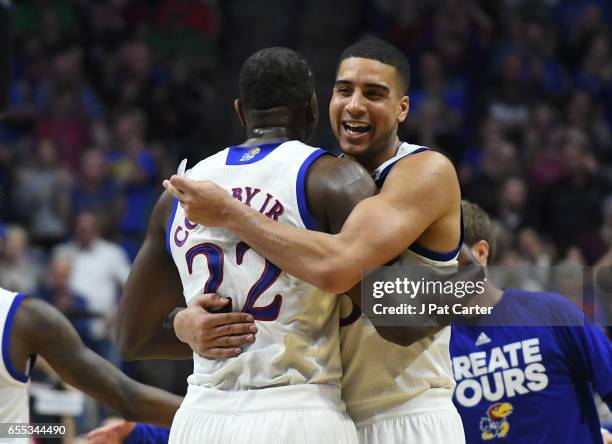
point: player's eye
(344, 91)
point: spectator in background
(56, 291)
(512, 208)
(437, 108)
(63, 122)
(43, 195)
(131, 82)
(99, 270)
(498, 162)
(586, 115)
(535, 256)
(511, 272)
(510, 99)
(67, 72)
(598, 242)
(19, 269)
(94, 191)
(134, 170)
(570, 206)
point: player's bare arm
(152, 290)
(420, 200)
(40, 328)
(342, 182)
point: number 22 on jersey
(215, 260)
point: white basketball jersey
(297, 340)
(13, 384)
(382, 379)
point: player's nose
(356, 105)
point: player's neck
(373, 159)
(269, 134)
(489, 297)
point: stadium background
(105, 98)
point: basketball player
(531, 382)
(285, 387)
(30, 327)
(393, 393)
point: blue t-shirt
(531, 384)
(148, 434)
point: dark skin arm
(152, 290)
(41, 329)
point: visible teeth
(357, 125)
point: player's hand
(114, 432)
(606, 436)
(204, 202)
(214, 335)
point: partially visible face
(366, 107)
(86, 228)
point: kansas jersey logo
(250, 154)
(495, 424)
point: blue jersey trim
(440, 257)
(243, 155)
(380, 180)
(170, 222)
(6, 341)
(300, 189)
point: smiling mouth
(356, 127)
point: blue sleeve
(588, 350)
(148, 434)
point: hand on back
(214, 335)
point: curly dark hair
(274, 77)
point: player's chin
(352, 149)
(354, 146)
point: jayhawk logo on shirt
(250, 154)
(495, 424)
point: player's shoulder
(426, 163)
(331, 165)
(334, 187)
(552, 309)
(426, 177)
(338, 175)
(33, 316)
(521, 296)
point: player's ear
(238, 109)
(480, 250)
(404, 107)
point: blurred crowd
(107, 96)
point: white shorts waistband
(433, 399)
(290, 397)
